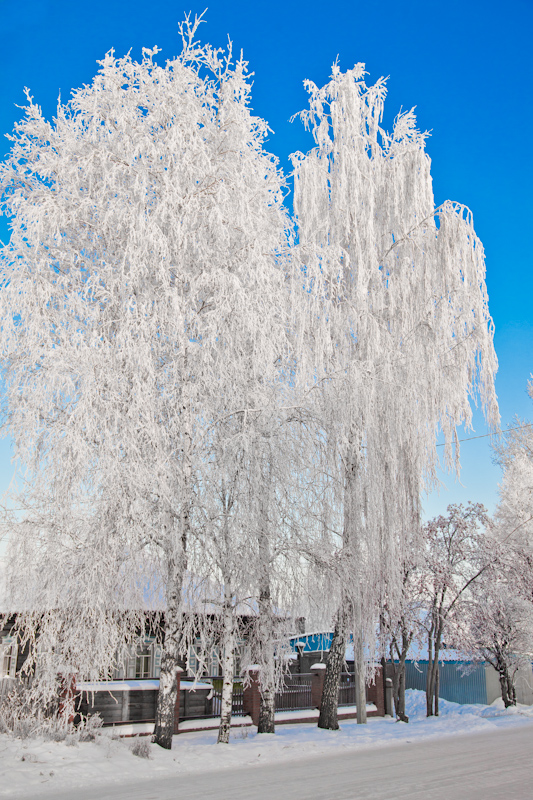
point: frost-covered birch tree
(224, 549)
(140, 284)
(402, 337)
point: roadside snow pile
(415, 705)
(33, 768)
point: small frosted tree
(400, 620)
(458, 553)
(401, 334)
(141, 287)
(497, 622)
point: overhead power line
(484, 435)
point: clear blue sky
(465, 65)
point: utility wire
(484, 435)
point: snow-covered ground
(37, 768)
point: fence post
(251, 695)
(388, 697)
(375, 693)
(319, 672)
(178, 698)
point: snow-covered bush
(23, 716)
(141, 747)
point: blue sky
(466, 66)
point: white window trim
(8, 651)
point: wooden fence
(137, 703)
(295, 693)
(347, 689)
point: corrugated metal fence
(455, 684)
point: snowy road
(488, 766)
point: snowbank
(35, 768)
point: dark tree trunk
(433, 678)
(360, 673)
(266, 712)
(398, 690)
(330, 695)
(507, 686)
(400, 713)
(265, 622)
(398, 671)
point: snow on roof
(313, 642)
(131, 685)
(420, 653)
(118, 686)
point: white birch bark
(228, 661)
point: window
(8, 657)
(203, 659)
(240, 657)
(142, 661)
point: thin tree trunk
(175, 550)
(507, 686)
(168, 690)
(267, 712)
(265, 629)
(328, 717)
(267, 690)
(430, 677)
(400, 712)
(360, 673)
(432, 682)
(228, 663)
(398, 689)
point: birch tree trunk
(328, 717)
(228, 664)
(360, 674)
(264, 633)
(266, 644)
(175, 550)
(267, 722)
(168, 694)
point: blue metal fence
(455, 684)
